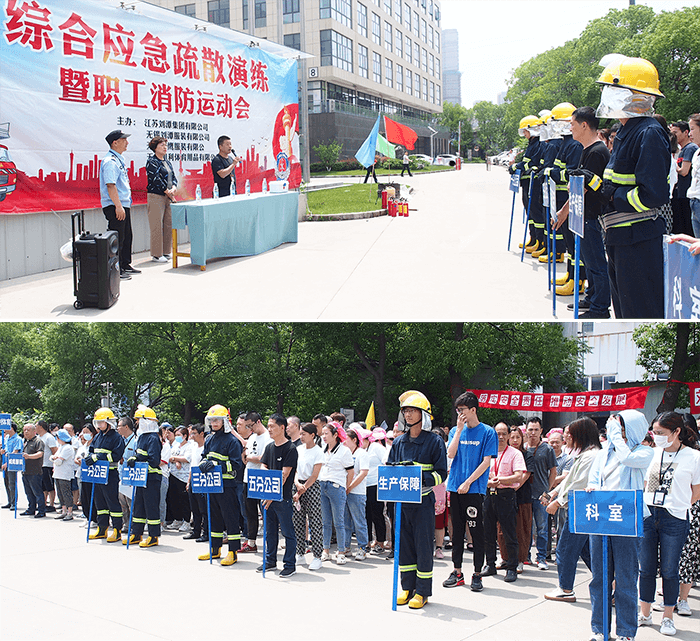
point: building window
(399, 78)
(423, 6)
(431, 37)
(416, 25)
(424, 30)
(340, 10)
(416, 53)
(292, 40)
(378, 3)
(376, 29)
(437, 41)
(290, 9)
(377, 67)
(432, 92)
(260, 13)
(389, 73)
(186, 10)
(430, 8)
(362, 19)
(218, 12)
(336, 50)
(431, 64)
(437, 15)
(399, 44)
(416, 85)
(407, 16)
(409, 82)
(387, 6)
(438, 100)
(245, 14)
(425, 89)
(397, 11)
(437, 68)
(363, 61)
(424, 60)
(408, 49)
(388, 38)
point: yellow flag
(370, 420)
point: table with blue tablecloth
(235, 225)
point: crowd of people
(641, 180)
(498, 491)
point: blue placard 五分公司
(98, 472)
(136, 476)
(515, 182)
(5, 422)
(15, 462)
(576, 220)
(606, 512)
(265, 485)
(400, 483)
(681, 281)
(211, 482)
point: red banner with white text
(694, 397)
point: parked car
(421, 160)
(445, 159)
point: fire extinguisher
(385, 197)
(392, 208)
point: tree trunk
(377, 373)
(188, 413)
(681, 362)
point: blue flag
(365, 154)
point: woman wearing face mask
(179, 465)
(621, 465)
(672, 486)
(85, 488)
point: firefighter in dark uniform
(635, 187)
(108, 446)
(530, 164)
(418, 446)
(547, 151)
(224, 449)
(146, 509)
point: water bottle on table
(198, 193)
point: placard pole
(577, 260)
(92, 496)
(512, 212)
(605, 586)
(131, 516)
(264, 561)
(209, 528)
(527, 219)
(397, 546)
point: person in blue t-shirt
(471, 444)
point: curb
(355, 216)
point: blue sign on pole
(681, 281)
(136, 476)
(96, 473)
(207, 483)
(15, 463)
(515, 182)
(400, 483)
(576, 205)
(5, 422)
(606, 512)
(265, 485)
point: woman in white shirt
(336, 474)
(672, 486)
(377, 452)
(86, 437)
(693, 192)
(179, 465)
(63, 473)
(356, 491)
(307, 499)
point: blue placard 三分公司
(515, 182)
(606, 512)
(211, 482)
(265, 485)
(15, 463)
(98, 472)
(400, 483)
(681, 281)
(576, 220)
(136, 476)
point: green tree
(490, 132)
(328, 154)
(451, 116)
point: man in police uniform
(108, 446)
(418, 446)
(222, 448)
(635, 187)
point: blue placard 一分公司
(211, 482)
(136, 476)
(265, 485)
(576, 220)
(681, 281)
(5, 422)
(606, 512)
(515, 182)
(400, 483)
(15, 463)
(98, 472)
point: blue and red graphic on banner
(681, 281)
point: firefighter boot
(100, 534)
(540, 249)
(417, 602)
(215, 554)
(115, 536)
(135, 538)
(150, 542)
(229, 559)
(403, 598)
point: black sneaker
(594, 315)
(191, 535)
(269, 568)
(455, 579)
(130, 270)
(202, 539)
(124, 276)
(50, 508)
(488, 570)
(582, 304)
(287, 572)
(511, 575)
(477, 585)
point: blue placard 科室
(400, 483)
(136, 476)
(265, 485)
(606, 512)
(515, 182)
(210, 483)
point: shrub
(328, 153)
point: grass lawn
(383, 172)
(344, 200)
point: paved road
(447, 261)
(54, 585)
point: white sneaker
(683, 609)
(360, 555)
(597, 636)
(658, 606)
(326, 556)
(520, 568)
(315, 564)
(340, 559)
(301, 559)
(543, 565)
(667, 627)
(642, 620)
(185, 527)
(159, 259)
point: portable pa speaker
(97, 264)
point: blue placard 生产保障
(606, 512)
(98, 472)
(136, 476)
(210, 482)
(400, 483)
(265, 485)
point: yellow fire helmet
(529, 123)
(636, 74)
(563, 111)
(145, 412)
(218, 411)
(545, 116)
(413, 398)
(104, 414)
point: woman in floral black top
(162, 184)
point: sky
(495, 36)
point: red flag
(400, 134)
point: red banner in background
(694, 397)
(605, 400)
